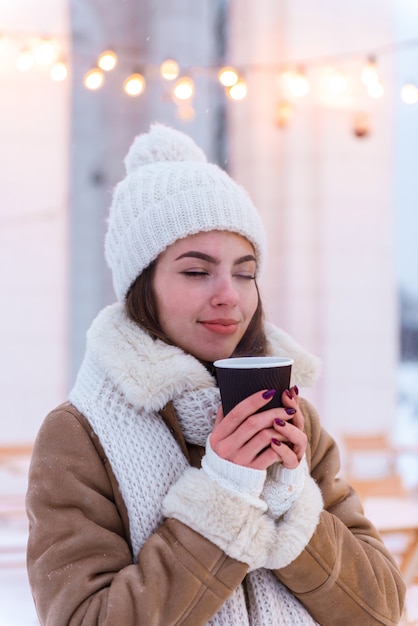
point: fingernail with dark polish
(288, 393)
(290, 411)
(279, 422)
(296, 390)
(276, 442)
(269, 394)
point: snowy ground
(16, 605)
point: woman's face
(206, 293)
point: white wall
(34, 137)
(326, 197)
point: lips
(221, 326)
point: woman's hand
(258, 440)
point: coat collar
(139, 365)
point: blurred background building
(320, 124)
(327, 156)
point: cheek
(170, 304)
(252, 303)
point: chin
(210, 353)
(215, 356)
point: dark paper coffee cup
(240, 377)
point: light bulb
(134, 85)
(238, 91)
(185, 111)
(25, 61)
(369, 73)
(409, 93)
(184, 89)
(375, 90)
(58, 71)
(285, 113)
(361, 124)
(107, 61)
(169, 69)
(228, 76)
(94, 79)
(45, 52)
(297, 83)
(338, 82)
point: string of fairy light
(33, 53)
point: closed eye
(195, 273)
(245, 276)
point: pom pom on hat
(170, 191)
(162, 144)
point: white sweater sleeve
(283, 487)
(243, 481)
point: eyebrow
(195, 254)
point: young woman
(147, 505)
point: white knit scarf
(125, 379)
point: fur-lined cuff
(295, 529)
(242, 530)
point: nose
(224, 292)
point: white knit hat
(170, 191)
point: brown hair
(141, 308)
